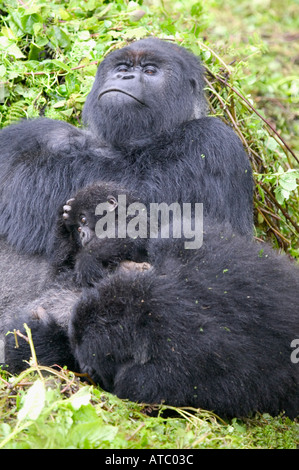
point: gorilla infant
(79, 250)
(209, 328)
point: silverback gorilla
(209, 328)
(145, 129)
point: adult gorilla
(146, 129)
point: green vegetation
(58, 411)
(49, 53)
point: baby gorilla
(209, 328)
(83, 243)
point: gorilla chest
(154, 176)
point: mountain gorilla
(209, 328)
(80, 250)
(145, 129)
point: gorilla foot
(128, 266)
(67, 208)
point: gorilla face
(132, 80)
(142, 90)
(78, 244)
(79, 213)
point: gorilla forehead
(158, 50)
(143, 49)
(99, 192)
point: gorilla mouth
(120, 91)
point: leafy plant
(58, 411)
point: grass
(59, 411)
(49, 55)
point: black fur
(22, 279)
(48, 317)
(89, 262)
(165, 148)
(209, 328)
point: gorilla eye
(122, 68)
(83, 220)
(150, 69)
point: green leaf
(13, 74)
(33, 402)
(34, 52)
(272, 144)
(60, 38)
(137, 33)
(83, 35)
(59, 104)
(25, 21)
(15, 51)
(10, 47)
(37, 28)
(288, 181)
(64, 15)
(281, 194)
(2, 71)
(41, 41)
(206, 55)
(92, 432)
(29, 23)
(261, 192)
(82, 397)
(197, 9)
(61, 65)
(67, 112)
(7, 32)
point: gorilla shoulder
(35, 138)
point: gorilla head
(83, 242)
(124, 105)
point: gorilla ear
(112, 203)
(194, 84)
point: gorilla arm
(38, 171)
(22, 278)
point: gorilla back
(211, 329)
(146, 129)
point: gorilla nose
(127, 77)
